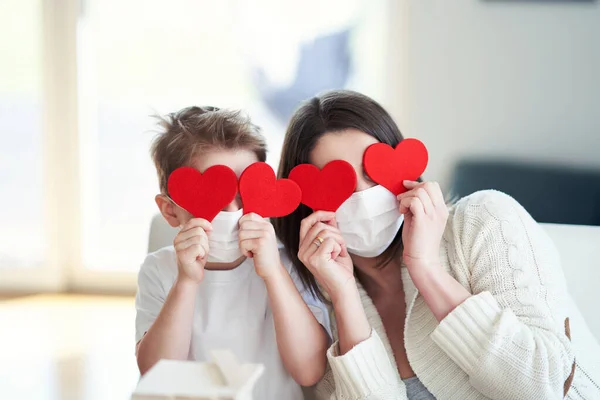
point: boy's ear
(167, 209)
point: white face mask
(223, 241)
(369, 220)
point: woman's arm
(360, 366)
(352, 323)
(514, 324)
(509, 336)
(425, 216)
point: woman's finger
(412, 204)
(335, 235)
(314, 232)
(324, 235)
(426, 201)
(306, 253)
(410, 184)
(433, 188)
(435, 193)
(344, 249)
(308, 222)
(325, 252)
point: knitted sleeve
(509, 337)
(367, 371)
(363, 373)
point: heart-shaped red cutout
(325, 189)
(203, 195)
(262, 193)
(389, 167)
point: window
(23, 242)
(139, 58)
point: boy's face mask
(223, 241)
(369, 221)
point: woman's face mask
(223, 241)
(369, 221)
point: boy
(204, 293)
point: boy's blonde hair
(189, 132)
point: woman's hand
(323, 251)
(425, 216)
(258, 241)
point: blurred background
(505, 94)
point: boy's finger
(184, 235)
(184, 244)
(251, 217)
(253, 225)
(249, 246)
(251, 234)
(197, 222)
(194, 240)
(193, 253)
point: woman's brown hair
(331, 111)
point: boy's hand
(191, 247)
(258, 240)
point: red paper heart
(389, 167)
(325, 189)
(203, 195)
(262, 193)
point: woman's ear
(167, 209)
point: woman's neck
(379, 281)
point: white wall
(497, 78)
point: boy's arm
(301, 340)
(171, 334)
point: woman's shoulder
(487, 216)
(491, 225)
(486, 208)
(491, 202)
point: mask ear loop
(175, 203)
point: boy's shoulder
(162, 262)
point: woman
(427, 302)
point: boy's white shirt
(232, 312)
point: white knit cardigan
(507, 341)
